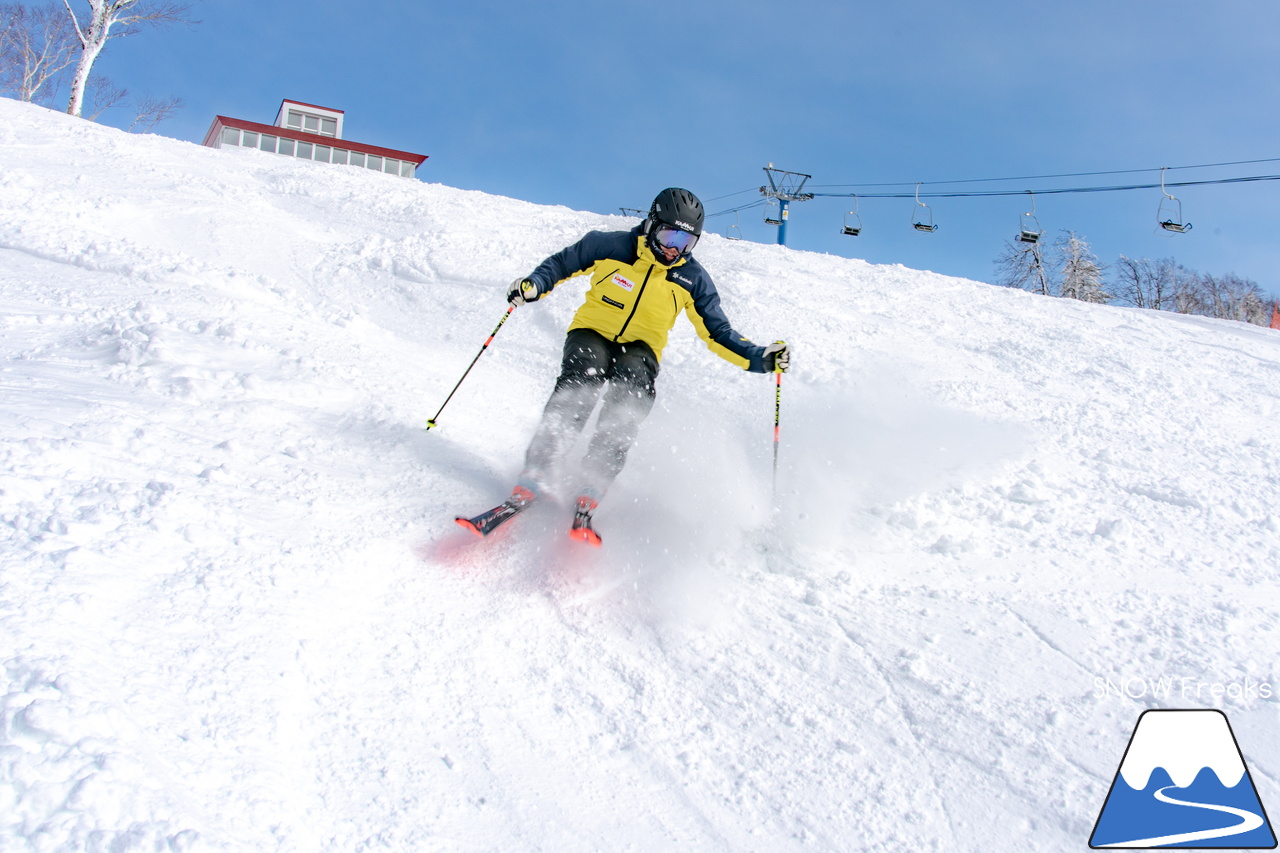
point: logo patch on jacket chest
(622, 281)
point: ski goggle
(669, 237)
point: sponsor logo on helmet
(686, 226)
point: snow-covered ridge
(235, 613)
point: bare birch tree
(1162, 285)
(1022, 265)
(1136, 282)
(1169, 286)
(125, 17)
(1230, 297)
(37, 45)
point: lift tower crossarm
(784, 187)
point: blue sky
(597, 106)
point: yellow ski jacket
(635, 297)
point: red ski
(486, 522)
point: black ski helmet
(678, 208)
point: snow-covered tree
(1022, 265)
(37, 45)
(125, 17)
(1081, 274)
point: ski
(486, 522)
(581, 530)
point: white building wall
(282, 117)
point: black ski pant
(591, 361)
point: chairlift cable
(994, 194)
(731, 195)
(1009, 193)
(1062, 175)
(757, 203)
(1055, 191)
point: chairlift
(922, 220)
(1029, 230)
(1169, 214)
(852, 221)
(773, 207)
(734, 231)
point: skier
(640, 279)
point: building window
(311, 151)
(312, 123)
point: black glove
(777, 358)
(521, 291)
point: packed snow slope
(236, 614)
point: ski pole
(432, 421)
(777, 418)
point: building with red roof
(310, 132)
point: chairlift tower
(784, 188)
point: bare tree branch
(36, 47)
(128, 17)
(75, 23)
(103, 95)
(151, 111)
(1022, 265)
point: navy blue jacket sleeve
(594, 247)
(706, 305)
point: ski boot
(582, 529)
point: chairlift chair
(772, 207)
(1029, 230)
(1169, 214)
(922, 219)
(852, 221)
(734, 231)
